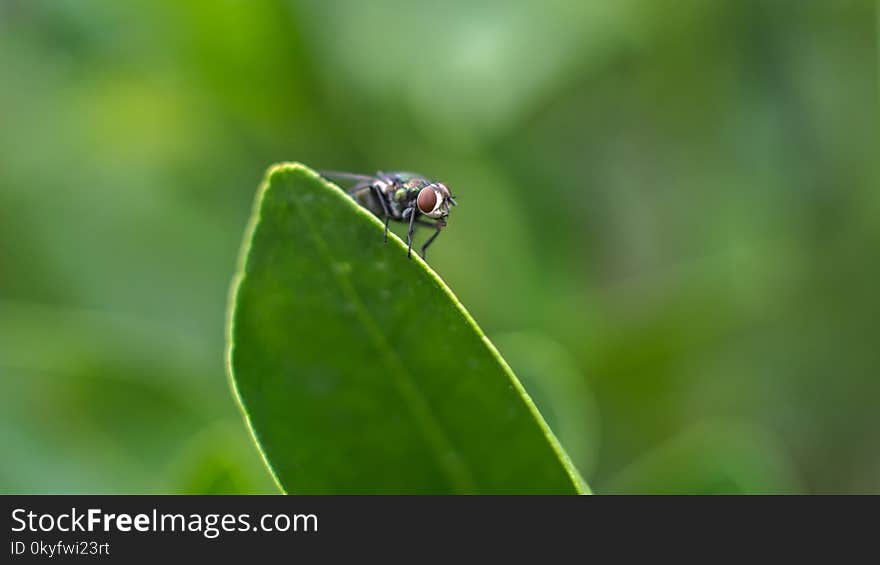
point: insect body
(403, 197)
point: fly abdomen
(367, 198)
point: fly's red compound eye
(427, 200)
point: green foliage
(359, 371)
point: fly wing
(330, 175)
(361, 182)
(409, 176)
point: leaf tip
(278, 170)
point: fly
(403, 197)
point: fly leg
(381, 198)
(411, 212)
(431, 239)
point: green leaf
(357, 369)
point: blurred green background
(669, 222)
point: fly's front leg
(411, 211)
(381, 198)
(436, 226)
